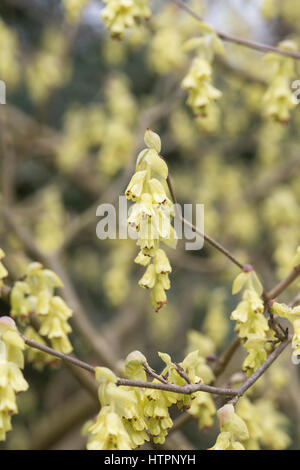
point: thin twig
(182, 374)
(243, 42)
(209, 239)
(186, 389)
(156, 376)
(262, 369)
(221, 364)
(284, 284)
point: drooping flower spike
(150, 217)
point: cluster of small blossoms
(252, 418)
(150, 217)
(73, 9)
(129, 416)
(121, 113)
(49, 229)
(273, 425)
(293, 315)
(49, 68)
(251, 325)
(118, 273)
(35, 294)
(278, 99)
(194, 366)
(198, 80)
(165, 49)
(119, 15)
(266, 425)
(270, 8)
(216, 324)
(233, 430)
(3, 270)
(281, 213)
(11, 377)
(120, 424)
(82, 130)
(9, 61)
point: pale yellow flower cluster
(119, 15)
(35, 294)
(252, 326)
(129, 416)
(278, 99)
(73, 9)
(151, 217)
(49, 68)
(198, 80)
(11, 377)
(9, 61)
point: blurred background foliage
(78, 103)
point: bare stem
(242, 42)
(209, 239)
(186, 389)
(284, 284)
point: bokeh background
(78, 104)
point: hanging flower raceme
(35, 294)
(73, 9)
(120, 424)
(49, 68)
(251, 325)
(198, 80)
(293, 315)
(150, 217)
(278, 99)
(233, 430)
(194, 367)
(10, 62)
(11, 377)
(119, 15)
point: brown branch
(186, 389)
(80, 320)
(156, 376)
(207, 238)
(284, 284)
(295, 301)
(221, 364)
(49, 429)
(261, 370)
(242, 42)
(59, 355)
(182, 374)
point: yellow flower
(119, 15)
(73, 9)
(149, 278)
(247, 279)
(161, 262)
(233, 430)
(278, 99)
(135, 188)
(11, 377)
(201, 91)
(151, 217)
(203, 408)
(35, 294)
(158, 296)
(143, 259)
(108, 432)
